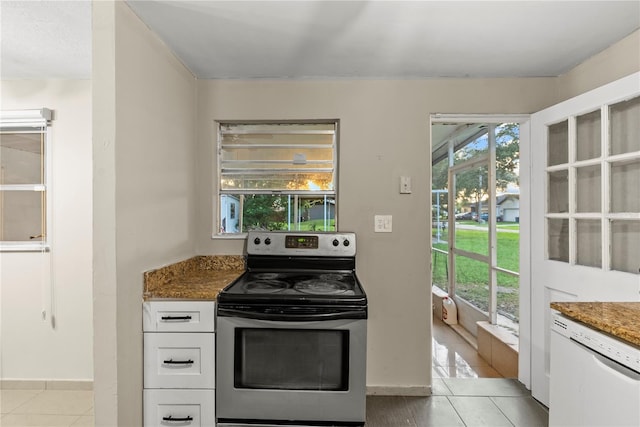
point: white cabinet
(179, 408)
(179, 363)
(179, 360)
(179, 316)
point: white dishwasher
(594, 378)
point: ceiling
(45, 39)
(329, 39)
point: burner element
(333, 277)
(322, 286)
(265, 286)
(266, 276)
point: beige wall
(32, 348)
(619, 60)
(384, 133)
(144, 143)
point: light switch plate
(405, 185)
(382, 223)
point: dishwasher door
(589, 389)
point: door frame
(525, 300)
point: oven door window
(291, 359)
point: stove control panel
(301, 243)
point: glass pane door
(584, 208)
(479, 258)
(473, 185)
(593, 199)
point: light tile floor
(453, 357)
(46, 408)
(466, 392)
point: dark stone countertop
(197, 278)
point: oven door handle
(286, 317)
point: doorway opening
(476, 232)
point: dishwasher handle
(628, 372)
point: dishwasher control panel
(612, 348)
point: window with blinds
(277, 176)
(24, 179)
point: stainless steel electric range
(292, 334)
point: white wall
(32, 349)
(384, 133)
(144, 193)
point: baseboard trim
(399, 391)
(46, 385)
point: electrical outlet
(382, 223)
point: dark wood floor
(392, 411)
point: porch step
(499, 347)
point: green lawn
(499, 225)
(472, 277)
(313, 225)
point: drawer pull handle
(177, 420)
(178, 362)
(169, 318)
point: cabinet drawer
(178, 316)
(191, 408)
(179, 360)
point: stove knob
(335, 242)
(346, 242)
(256, 240)
(267, 241)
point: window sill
(238, 236)
(19, 247)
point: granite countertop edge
(619, 319)
(199, 278)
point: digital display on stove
(301, 242)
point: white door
(585, 208)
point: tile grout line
(447, 386)
(13, 411)
(39, 392)
(456, 410)
(500, 409)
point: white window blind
(24, 179)
(277, 176)
(277, 157)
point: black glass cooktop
(327, 283)
(295, 287)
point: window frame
(219, 192)
(36, 121)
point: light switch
(382, 223)
(405, 185)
